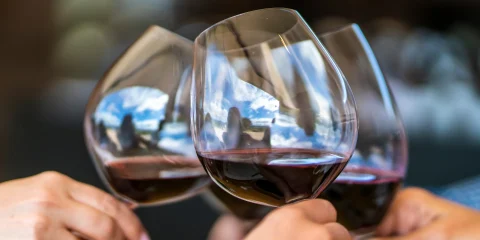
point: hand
(307, 220)
(52, 206)
(420, 215)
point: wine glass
(364, 190)
(224, 202)
(273, 119)
(137, 123)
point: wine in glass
(137, 123)
(366, 187)
(224, 202)
(270, 127)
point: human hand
(417, 214)
(53, 206)
(307, 220)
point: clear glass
(137, 123)
(273, 119)
(364, 190)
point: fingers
(337, 231)
(308, 230)
(317, 210)
(63, 234)
(412, 208)
(431, 232)
(312, 219)
(125, 218)
(228, 227)
(89, 222)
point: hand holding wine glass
(53, 206)
(274, 121)
(298, 221)
(418, 214)
(295, 221)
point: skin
(291, 222)
(53, 206)
(417, 214)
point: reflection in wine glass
(137, 124)
(364, 190)
(274, 121)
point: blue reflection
(231, 85)
(145, 105)
(136, 119)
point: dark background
(53, 52)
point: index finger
(430, 232)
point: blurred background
(54, 51)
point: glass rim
(351, 26)
(291, 11)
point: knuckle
(107, 226)
(327, 208)
(413, 192)
(40, 226)
(41, 206)
(410, 197)
(52, 177)
(110, 205)
(43, 201)
(45, 195)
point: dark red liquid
(273, 176)
(238, 207)
(147, 180)
(362, 197)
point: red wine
(273, 176)
(362, 197)
(148, 180)
(240, 208)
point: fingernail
(144, 237)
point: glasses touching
(273, 119)
(365, 189)
(137, 123)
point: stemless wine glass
(364, 190)
(137, 123)
(270, 127)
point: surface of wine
(151, 180)
(241, 209)
(273, 177)
(362, 197)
